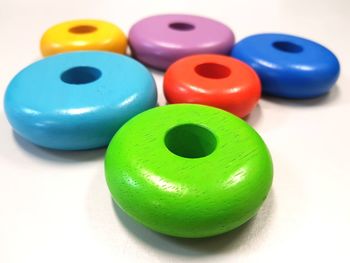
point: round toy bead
(78, 100)
(198, 172)
(289, 66)
(83, 35)
(213, 80)
(158, 41)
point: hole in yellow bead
(181, 26)
(82, 29)
(190, 141)
(81, 75)
(213, 70)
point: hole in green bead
(287, 46)
(81, 75)
(82, 29)
(213, 70)
(190, 141)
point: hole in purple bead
(213, 70)
(181, 26)
(287, 46)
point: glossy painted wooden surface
(160, 40)
(84, 34)
(289, 66)
(55, 206)
(198, 172)
(213, 80)
(78, 100)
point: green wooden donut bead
(188, 170)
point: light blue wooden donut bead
(78, 100)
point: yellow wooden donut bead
(83, 35)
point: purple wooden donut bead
(158, 41)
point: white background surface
(55, 206)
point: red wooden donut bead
(213, 80)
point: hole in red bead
(82, 29)
(287, 46)
(190, 141)
(181, 26)
(81, 75)
(213, 70)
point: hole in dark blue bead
(81, 75)
(287, 46)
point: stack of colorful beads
(191, 169)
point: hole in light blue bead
(81, 75)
